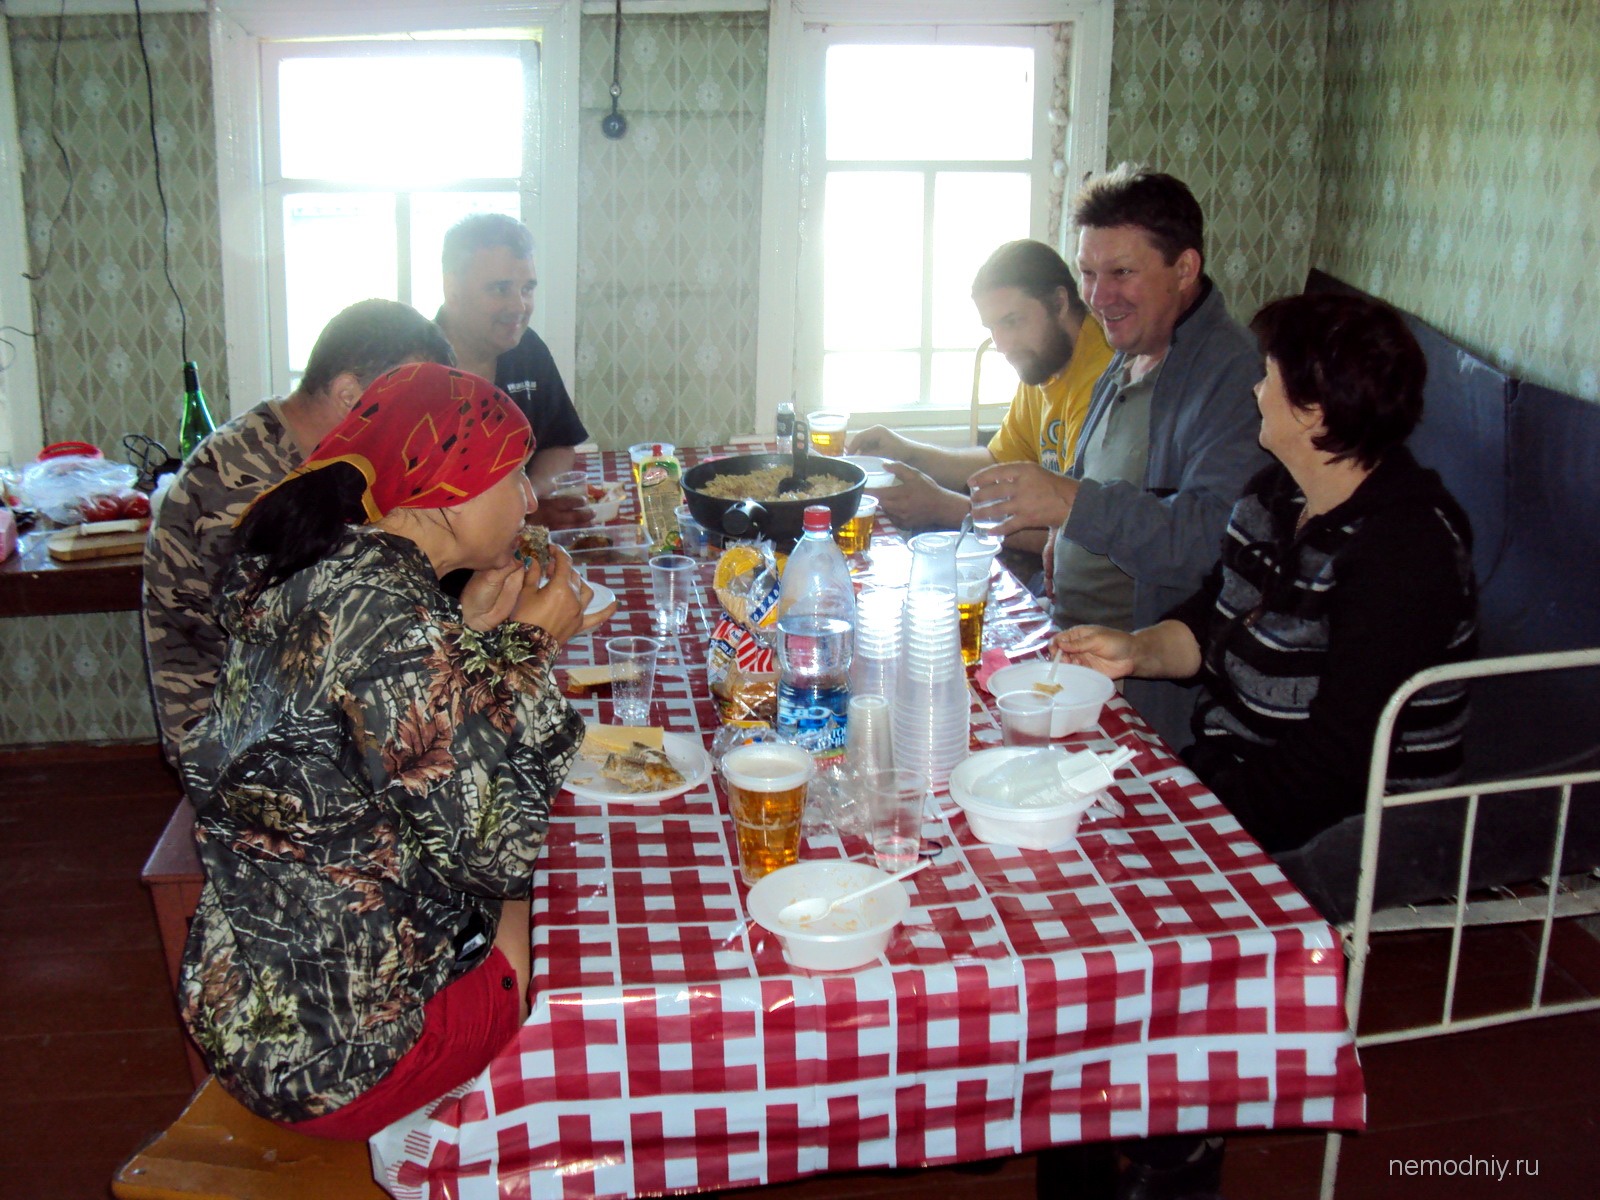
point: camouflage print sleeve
(471, 739)
(186, 553)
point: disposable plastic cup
(633, 677)
(1025, 718)
(671, 585)
(896, 803)
(570, 483)
(767, 784)
(695, 536)
(827, 432)
(855, 535)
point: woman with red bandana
(373, 782)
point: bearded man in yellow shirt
(1029, 302)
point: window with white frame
(371, 150)
(906, 140)
(931, 152)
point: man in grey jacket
(1170, 439)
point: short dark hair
(1356, 360)
(1031, 267)
(1161, 205)
(483, 231)
(368, 338)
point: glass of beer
(767, 796)
(827, 432)
(855, 535)
(974, 561)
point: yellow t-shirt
(1043, 422)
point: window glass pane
(872, 260)
(930, 102)
(973, 213)
(951, 382)
(336, 250)
(431, 214)
(871, 381)
(400, 119)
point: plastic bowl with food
(1078, 696)
(852, 935)
(605, 500)
(1029, 826)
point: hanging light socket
(614, 125)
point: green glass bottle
(197, 420)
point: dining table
(1155, 975)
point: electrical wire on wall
(66, 199)
(161, 193)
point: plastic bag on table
(73, 488)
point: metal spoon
(814, 908)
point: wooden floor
(91, 1062)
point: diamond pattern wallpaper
(668, 228)
(1227, 96)
(1460, 170)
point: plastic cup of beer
(827, 432)
(855, 535)
(974, 557)
(767, 796)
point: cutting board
(72, 545)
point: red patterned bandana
(427, 436)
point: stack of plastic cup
(931, 705)
(876, 659)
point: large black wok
(777, 520)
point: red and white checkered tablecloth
(1162, 976)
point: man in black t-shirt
(489, 281)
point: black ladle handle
(800, 448)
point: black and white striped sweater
(1305, 637)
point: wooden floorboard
(91, 1061)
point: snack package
(740, 665)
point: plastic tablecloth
(1159, 976)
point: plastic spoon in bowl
(814, 908)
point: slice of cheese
(616, 739)
(588, 676)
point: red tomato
(597, 491)
(100, 507)
(135, 505)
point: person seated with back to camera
(372, 779)
(1346, 569)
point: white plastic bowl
(608, 506)
(850, 936)
(1075, 707)
(1031, 828)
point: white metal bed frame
(1561, 898)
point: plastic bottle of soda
(816, 627)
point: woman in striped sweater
(1346, 568)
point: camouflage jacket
(187, 551)
(372, 778)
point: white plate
(685, 752)
(602, 597)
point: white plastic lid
(818, 517)
(768, 766)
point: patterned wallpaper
(668, 228)
(1461, 166)
(109, 346)
(110, 360)
(1227, 96)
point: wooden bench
(173, 875)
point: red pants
(464, 1026)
